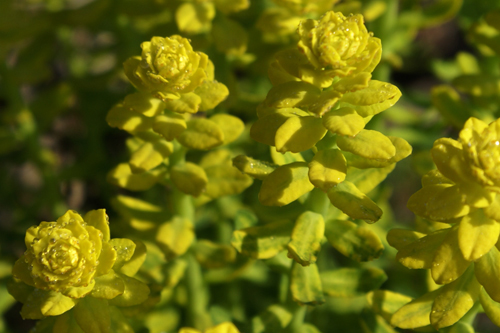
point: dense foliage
(227, 166)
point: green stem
(198, 316)
(299, 314)
(183, 205)
(318, 202)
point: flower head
(62, 254)
(167, 67)
(340, 43)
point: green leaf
(372, 323)
(150, 155)
(122, 176)
(140, 214)
(98, 219)
(231, 126)
(265, 128)
(135, 292)
(386, 303)
(429, 202)
(224, 179)
(285, 158)
(212, 255)
(263, 242)
(367, 179)
(305, 285)
(399, 238)
(351, 201)
(343, 121)
(357, 243)
(307, 233)
(420, 253)
(144, 103)
(186, 103)
(124, 248)
(292, 94)
(478, 84)
(274, 319)
(327, 169)
(174, 272)
(202, 134)
(195, 18)
(403, 150)
(252, 167)
(350, 282)
(416, 313)
(455, 300)
(449, 263)
(377, 97)
(175, 237)
(285, 184)
(106, 259)
(299, 134)
(368, 144)
(108, 286)
(169, 125)
(92, 315)
(189, 178)
(65, 323)
(211, 93)
(477, 234)
(355, 82)
(487, 270)
(491, 307)
(132, 266)
(46, 303)
(449, 104)
(128, 120)
(234, 43)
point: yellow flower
(61, 255)
(167, 67)
(467, 178)
(340, 43)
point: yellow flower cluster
(323, 96)
(462, 192)
(174, 82)
(73, 259)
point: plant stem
(198, 316)
(318, 202)
(299, 314)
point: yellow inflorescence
(61, 254)
(340, 43)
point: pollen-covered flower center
(61, 257)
